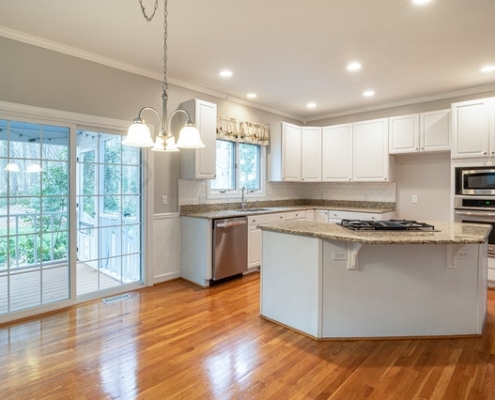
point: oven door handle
(475, 214)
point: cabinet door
(310, 215)
(255, 236)
(201, 163)
(435, 131)
(254, 247)
(321, 216)
(404, 134)
(337, 153)
(470, 129)
(311, 154)
(370, 150)
(291, 152)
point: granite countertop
(215, 211)
(445, 233)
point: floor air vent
(113, 299)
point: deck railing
(118, 244)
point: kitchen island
(330, 282)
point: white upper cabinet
(337, 153)
(404, 134)
(473, 129)
(435, 131)
(370, 151)
(201, 163)
(311, 154)
(284, 153)
(423, 132)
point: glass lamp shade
(171, 146)
(159, 144)
(138, 135)
(189, 138)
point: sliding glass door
(34, 215)
(109, 202)
(44, 250)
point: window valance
(242, 131)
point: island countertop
(444, 233)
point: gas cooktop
(390, 225)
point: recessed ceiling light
(251, 95)
(488, 68)
(354, 66)
(226, 73)
(311, 105)
(368, 93)
(421, 2)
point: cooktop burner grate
(390, 225)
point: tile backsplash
(194, 191)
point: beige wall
(428, 177)
(34, 76)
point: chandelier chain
(165, 37)
(143, 10)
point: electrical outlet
(339, 256)
(414, 198)
(164, 199)
(202, 198)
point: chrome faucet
(243, 200)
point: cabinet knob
(484, 153)
(493, 152)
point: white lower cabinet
(310, 215)
(321, 216)
(254, 236)
(295, 215)
(335, 216)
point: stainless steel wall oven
(478, 211)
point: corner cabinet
(370, 157)
(200, 163)
(473, 128)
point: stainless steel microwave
(477, 181)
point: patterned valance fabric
(242, 131)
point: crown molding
(112, 63)
(416, 100)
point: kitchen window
(238, 165)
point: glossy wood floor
(177, 341)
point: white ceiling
(289, 52)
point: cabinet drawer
(295, 215)
(265, 218)
(337, 214)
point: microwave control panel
(478, 203)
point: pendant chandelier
(139, 134)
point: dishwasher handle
(229, 224)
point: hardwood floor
(177, 341)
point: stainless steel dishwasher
(230, 241)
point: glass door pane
(34, 215)
(109, 212)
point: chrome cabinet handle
(475, 214)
